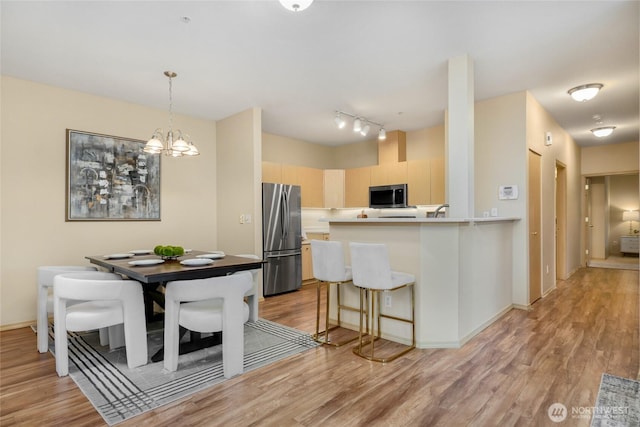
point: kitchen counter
(463, 268)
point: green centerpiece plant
(169, 252)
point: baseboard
(17, 325)
(486, 324)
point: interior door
(535, 245)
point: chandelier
(174, 144)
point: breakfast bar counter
(463, 269)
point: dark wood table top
(173, 270)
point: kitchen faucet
(437, 211)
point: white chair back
(107, 300)
(328, 261)
(231, 290)
(254, 292)
(45, 298)
(370, 265)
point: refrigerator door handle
(282, 256)
(285, 208)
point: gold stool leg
(327, 326)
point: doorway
(607, 197)
(535, 244)
(561, 221)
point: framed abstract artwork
(110, 179)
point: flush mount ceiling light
(361, 125)
(173, 144)
(296, 5)
(601, 132)
(585, 92)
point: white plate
(118, 256)
(141, 251)
(192, 262)
(146, 262)
(212, 255)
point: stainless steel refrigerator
(281, 238)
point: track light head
(340, 122)
(365, 130)
(382, 134)
(357, 125)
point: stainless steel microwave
(388, 196)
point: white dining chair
(215, 304)
(45, 300)
(253, 295)
(373, 275)
(107, 300)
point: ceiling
(384, 60)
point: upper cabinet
(334, 188)
(356, 187)
(389, 173)
(310, 180)
(426, 181)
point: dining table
(153, 272)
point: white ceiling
(384, 60)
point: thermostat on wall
(508, 192)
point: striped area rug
(119, 393)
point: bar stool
(329, 267)
(372, 274)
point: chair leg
(42, 322)
(327, 326)
(376, 316)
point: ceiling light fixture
(173, 144)
(361, 125)
(585, 92)
(296, 5)
(603, 131)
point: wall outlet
(494, 211)
(387, 301)
(247, 218)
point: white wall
(32, 187)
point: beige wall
(421, 144)
(567, 152)
(34, 118)
(282, 149)
(239, 178)
(610, 159)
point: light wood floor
(507, 375)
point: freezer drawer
(282, 273)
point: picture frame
(109, 178)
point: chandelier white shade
(361, 125)
(296, 5)
(585, 92)
(173, 144)
(601, 132)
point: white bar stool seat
(329, 268)
(373, 275)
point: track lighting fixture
(361, 125)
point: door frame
(561, 221)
